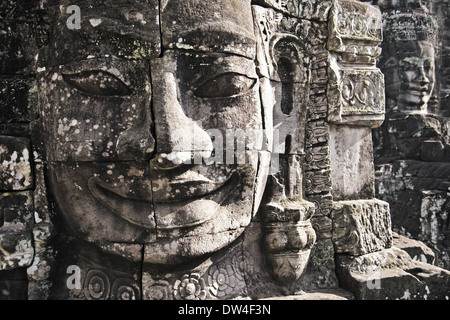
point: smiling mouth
(189, 202)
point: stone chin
(414, 100)
(173, 251)
(171, 229)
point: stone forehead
(141, 29)
(123, 28)
(216, 25)
(410, 48)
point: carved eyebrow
(225, 85)
(97, 82)
(217, 66)
(219, 37)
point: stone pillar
(356, 105)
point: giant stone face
(135, 125)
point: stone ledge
(392, 274)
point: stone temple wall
(412, 150)
(113, 123)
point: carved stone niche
(284, 63)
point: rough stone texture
(424, 186)
(15, 167)
(351, 163)
(16, 222)
(392, 274)
(193, 150)
(416, 249)
(361, 227)
(411, 148)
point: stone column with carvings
(366, 262)
(356, 105)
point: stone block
(16, 220)
(352, 168)
(18, 99)
(15, 164)
(432, 150)
(416, 249)
(355, 29)
(19, 44)
(227, 22)
(391, 274)
(355, 95)
(124, 28)
(361, 226)
(306, 9)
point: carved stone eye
(225, 85)
(99, 83)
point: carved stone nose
(422, 77)
(178, 137)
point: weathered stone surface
(415, 66)
(424, 186)
(18, 99)
(392, 274)
(21, 10)
(404, 136)
(355, 28)
(352, 170)
(19, 44)
(408, 60)
(217, 27)
(355, 90)
(16, 222)
(356, 96)
(13, 284)
(416, 249)
(72, 132)
(126, 28)
(138, 190)
(361, 226)
(309, 9)
(15, 166)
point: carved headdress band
(399, 4)
(410, 26)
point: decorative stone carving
(408, 60)
(227, 277)
(283, 58)
(355, 89)
(358, 92)
(361, 226)
(289, 238)
(186, 150)
(307, 9)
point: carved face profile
(410, 77)
(409, 60)
(129, 104)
